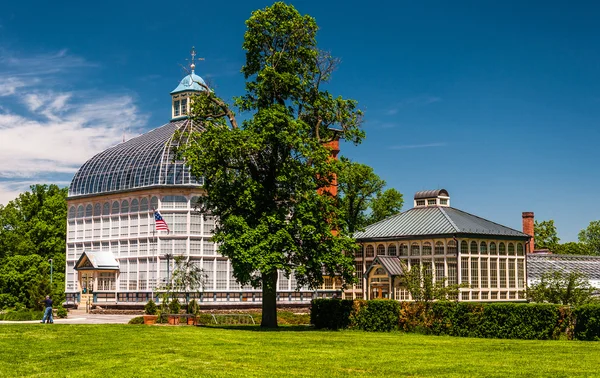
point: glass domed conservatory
(114, 255)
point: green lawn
(163, 351)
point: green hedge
(331, 313)
(587, 323)
(375, 315)
(22, 315)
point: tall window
(80, 212)
(452, 272)
(144, 205)
(484, 272)
(464, 270)
(72, 212)
(464, 248)
(439, 270)
(97, 210)
(184, 106)
(511, 249)
(360, 251)
(483, 248)
(511, 273)
(502, 263)
(392, 250)
(439, 248)
(520, 249)
(125, 207)
(520, 273)
(359, 275)
(415, 250)
(493, 273)
(380, 250)
(115, 207)
(370, 251)
(502, 249)
(493, 250)
(403, 249)
(474, 272)
(135, 206)
(221, 274)
(452, 248)
(427, 249)
(473, 247)
(176, 108)
(89, 210)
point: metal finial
(193, 53)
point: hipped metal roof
(435, 220)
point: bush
(330, 313)
(193, 307)
(174, 306)
(61, 313)
(587, 322)
(22, 315)
(137, 320)
(378, 315)
(150, 308)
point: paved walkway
(80, 317)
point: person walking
(48, 311)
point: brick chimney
(528, 229)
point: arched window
(511, 249)
(370, 251)
(380, 250)
(135, 206)
(473, 247)
(415, 250)
(520, 251)
(97, 210)
(80, 211)
(115, 208)
(452, 248)
(154, 203)
(439, 248)
(403, 249)
(464, 248)
(89, 210)
(144, 205)
(72, 212)
(125, 207)
(483, 248)
(493, 250)
(360, 251)
(502, 249)
(392, 250)
(427, 249)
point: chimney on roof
(528, 229)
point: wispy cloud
(409, 146)
(53, 132)
(413, 101)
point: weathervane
(193, 53)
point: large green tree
(266, 179)
(545, 235)
(361, 196)
(590, 236)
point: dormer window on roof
(427, 198)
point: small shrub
(193, 307)
(174, 306)
(378, 315)
(22, 315)
(61, 313)
(137, 320)
(587, 323)
(150, 308)
(330, 313)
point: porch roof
(96, 260)
(391, 264)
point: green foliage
(150, 308)
(32, 230)
(590, 236)
(187, 276)
(421, 285)
(174, 306)
(330, 313)
(566, 288)
(61, 312)
(545, 235)
(136, 320)
(21, 315)
(587, 326)
(378, 315)
(193, 307)
(266, 180)
(385, 205)
(573, 248)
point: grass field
(163, 351)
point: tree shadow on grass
(258, 328)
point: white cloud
(59, 130)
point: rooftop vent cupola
(438, 197)
(181, 96)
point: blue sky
(496, 101)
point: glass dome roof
(145, 161)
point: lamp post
(50, 261)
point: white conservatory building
(114, 256)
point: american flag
(159, 222)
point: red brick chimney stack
(528, 229)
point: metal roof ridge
(487, 220)
(447, 216)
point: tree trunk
(269, 300)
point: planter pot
(150, 319)
(191, 320)
(174, 320)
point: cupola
(439, 197)
(181, 97)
